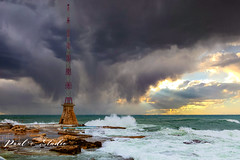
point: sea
(171, 137)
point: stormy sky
(122, 54)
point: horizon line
(122, 114)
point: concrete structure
(68, 115)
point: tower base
(68, 115)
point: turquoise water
(165, 136)
(198, 122)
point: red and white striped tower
(68, 83)
(68, 115)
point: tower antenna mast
(68, 73)
(68, 115)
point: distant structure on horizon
(68, 115)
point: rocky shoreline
(51, 138)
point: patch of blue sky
(205, 75)
(231, 49)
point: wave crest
(114, 120)
(18, 123)
(10, 121)
(232, 120)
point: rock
(31, 144)
(196, 141)
(73, 133)
(32, 130)
(129, 136)
(10, 148)
(69, 149)
(22, 130)
(69, 140)
(65, 138)
(111, 127)
(19, 129)
(38, 135)
(42, 139)
(6, 125)
(4, 131)
(90, 145)
(77, 140)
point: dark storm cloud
(31, 36)
(119, 48)
(167, 98)
(122, 27)
(134, 77)
(10, 65)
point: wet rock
(34, 130)
(5, 131)
(129, 136)
(83, 136)
(38, 135)
(6, 125)
(31, 144)
(90, 145)
(67, 140)
(195, 141)
(73, 133)
(22, 130)
(111, 127)
(41, 146)
(194, 154)
(10, 148)
(76, 140)
(44, 140)
(68, 149)
(19, 129)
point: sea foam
(167, 143)
(114, 120)
(10, 121)
(18, 123)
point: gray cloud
(121, 29)
(167, 98)
(227, 59)
(24, 96)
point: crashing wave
(18, 123)
(114, 120)
(10, 121)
